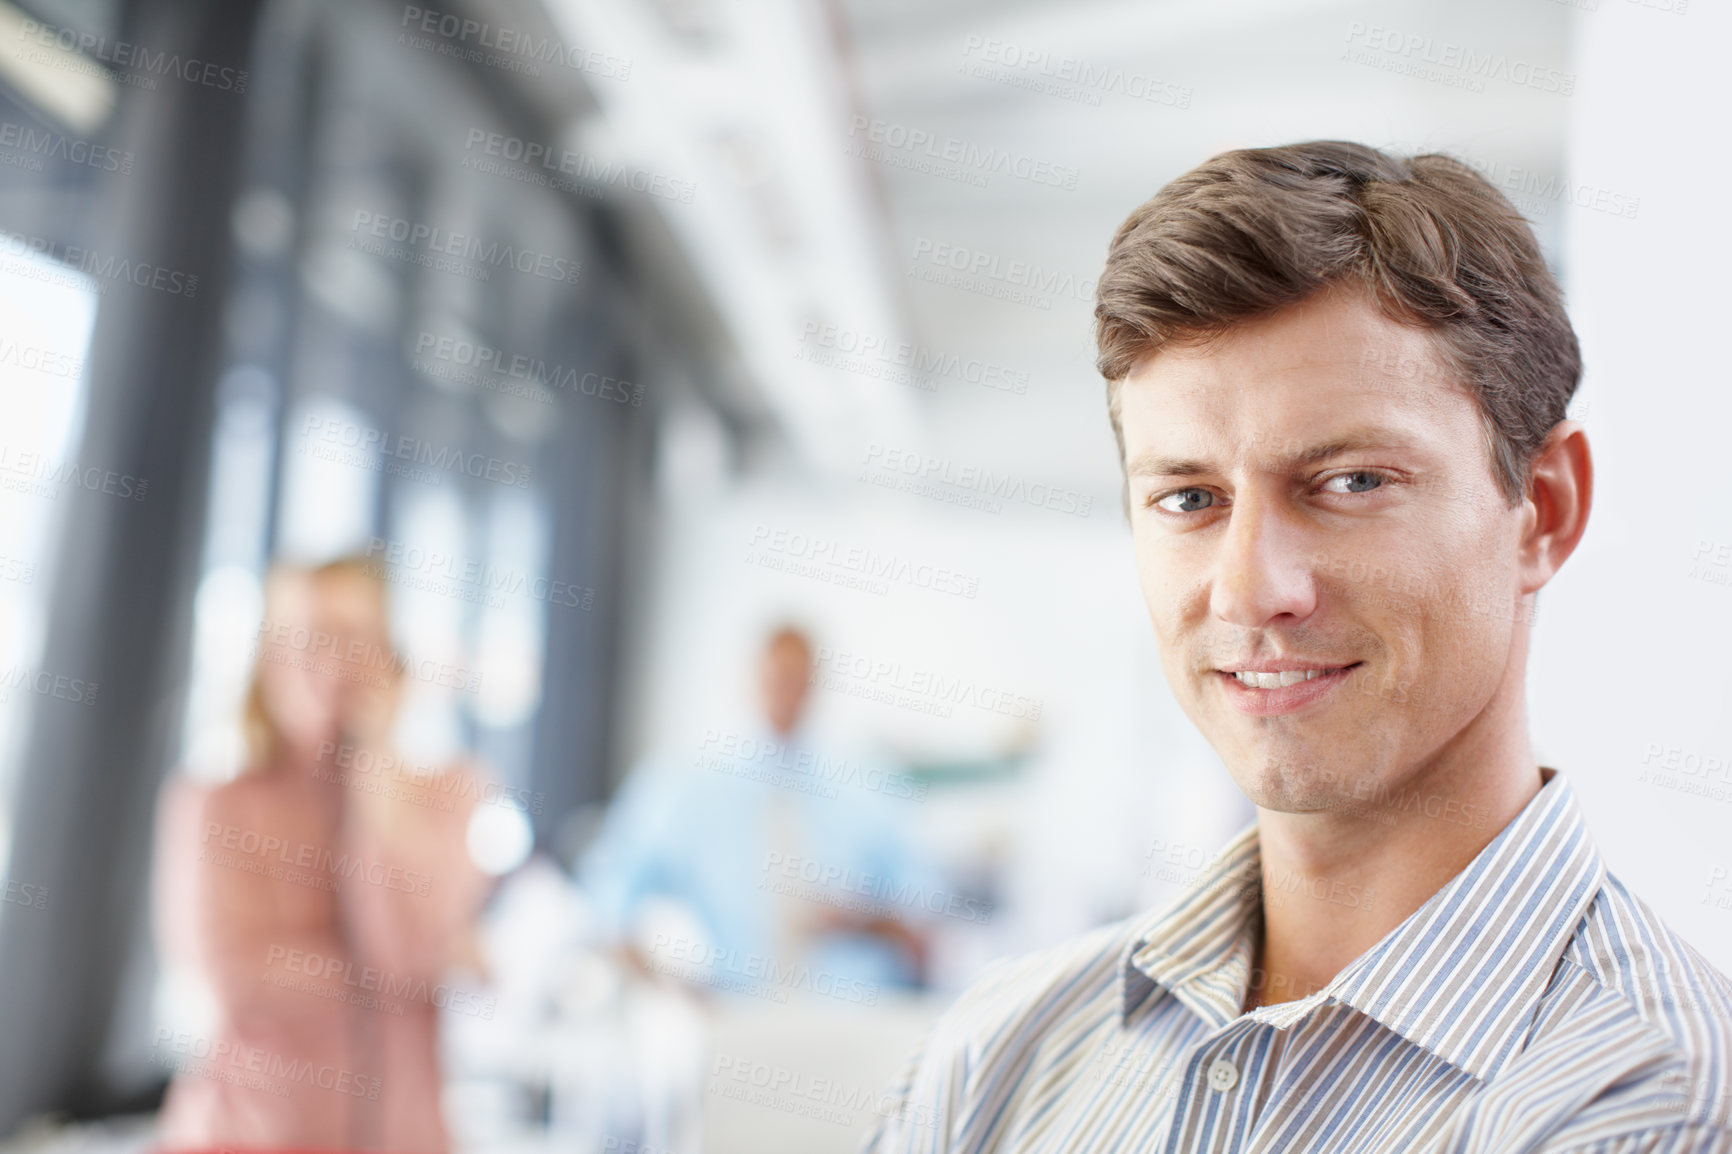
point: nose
(1262, 572)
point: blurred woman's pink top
(323, 938)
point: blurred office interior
(712, 319)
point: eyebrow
(1159, 465)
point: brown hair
(1251, 231)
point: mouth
(1281, 678)
(1281, 688)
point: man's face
(1304, 500)
(784, 679)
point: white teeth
(1278, 679)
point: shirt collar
(1200, 948)
(1461, 976)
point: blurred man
(770, 867)
(1339, 380)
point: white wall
(1631, 648)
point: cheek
(1172, 611)
(1467, 640)
(1172, 591)
(1443, 639)
(284, 683)
(1472, 614)
(1158, 597)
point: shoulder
(1630, 952)
(238, 802)
(1020, 1004)
(661, 803)
(965, 1084)
(181, 801)
(1677, 1010)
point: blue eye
(1190, 500)
(1363, 481)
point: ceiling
(935, 184)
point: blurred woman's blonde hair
(258, 731)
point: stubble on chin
(1283, 783)
(1305, 779)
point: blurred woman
(321, 894)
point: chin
(1288, 780)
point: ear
(1555, 512)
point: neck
(1336, 882)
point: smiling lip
(1268, 687)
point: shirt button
(1223, 1075)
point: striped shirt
(1532, 1004)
